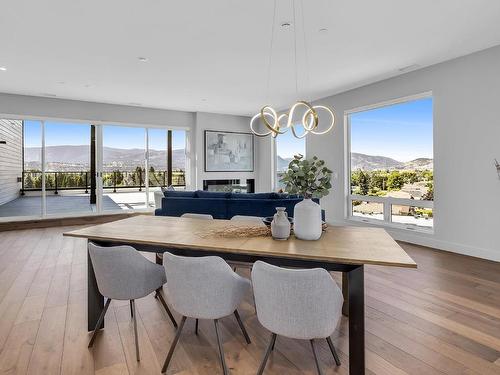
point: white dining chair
(122, 273)
(203, 288)
(250, 219)
(198, 216)
(301, 304)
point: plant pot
(307, 220)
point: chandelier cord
(268, 115)
(306, 53)
(268, 88)
(295, 52)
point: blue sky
(61, 133)
(401, 131)
(287, 145)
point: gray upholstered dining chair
(122, 273)
(198, 216)
(203, 288)
(296, 303)
(251, 219)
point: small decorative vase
(307, 220)
(280, 226)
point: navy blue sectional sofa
(225, 205)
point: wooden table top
(346, 245)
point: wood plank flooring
(443, 318)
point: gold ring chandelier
(279, 124)
(275, 126)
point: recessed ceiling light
(3, 68)
(286, 25)
(409, 67)
(142, 59)
(48, 94)
(323, 30)
(135, 104)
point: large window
(287, 146)
(53, 168)
(391, 164)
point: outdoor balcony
(69, 192)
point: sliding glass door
(123, 168)
(67, 169)
(58, 169)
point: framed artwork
(228, 151)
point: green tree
(395, 181)
(360, 181)
(364, 183)
(429, 195)
(410, 177)
(378, 181)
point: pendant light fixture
(279, 124)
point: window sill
(385, 224)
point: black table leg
(356, 287)
(345, 293)
(95, 300)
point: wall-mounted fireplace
(234, 186)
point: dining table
(346, 249)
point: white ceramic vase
(280, 226)
(307, 220)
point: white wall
(212, 121)
(466, 95)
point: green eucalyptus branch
(307, 177)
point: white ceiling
(213, 55)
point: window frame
(387, 202)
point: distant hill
(128, 159)
(419, 164)
(372, 163)
(113, 158)
(282, 164)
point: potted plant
(310, 179)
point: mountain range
(129, 159)
(372, 163)
(113, 158)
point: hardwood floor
(443, 318)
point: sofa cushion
(217, 207)
(179, 194)
(285, 196)
(212, 194)
(252, 195)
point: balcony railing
(67, 180)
